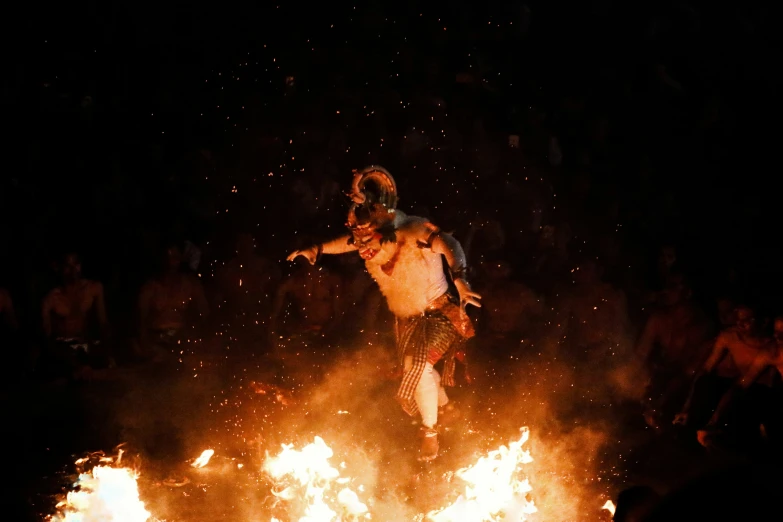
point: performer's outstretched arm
(341, 245)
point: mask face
(367, 240)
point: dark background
(127, 122)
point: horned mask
(373, 203)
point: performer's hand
(466, 295)
(681, 419)
(311, 254)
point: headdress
(374, 199)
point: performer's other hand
(311, 254)
(466, 295)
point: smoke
(345, 395)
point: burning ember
(203, 459)
(494, 490)
(107, 493)
(280, 395)
(307, 480)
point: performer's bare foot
(429, 444)
(448, 414)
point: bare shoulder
(727, 336)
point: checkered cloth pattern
(429, 336)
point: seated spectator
(733, 354)
(165, 302)
(74, 321)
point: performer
(404, 254)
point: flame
(610, 507)
(203, 459)
(494, 490)
(106, 494)
(305, 478)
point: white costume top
(416, 276)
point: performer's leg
(447, 411)
(443, 399)
(428, 395)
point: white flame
(203, 459)
(494, 490)
(306, 475)
(105, 494)
(610, 507)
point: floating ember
(203, 459)
(307, 482)
(105, 494)
(280, 395)
(494, 488)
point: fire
(203, 459)
(610, 507)
(494, 490)
(307, 480)
(105, 494)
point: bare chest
(74, 302)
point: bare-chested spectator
(306, 303)
(755, 390)
(168, 304)
(733, 354)
(510, 310)
(247, 283)
(674, 344)
(74, 321)
(593, 314)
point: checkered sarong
(429, 336)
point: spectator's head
(746, 319)
(69, 266)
